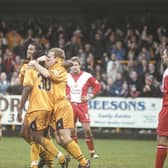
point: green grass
(14, 153)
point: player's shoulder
(23, 68)
(86, 74)
(57, 66)
(30, 72)
(30, 69)
(69, 75)
(58, 70)
(53, 66)
(165, 72)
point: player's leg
(71, 146)
(0, 132)
(25, 132)
(36, 149)
(49, 160)
(38, 126)
(74, 130)
(85, 121)
(48, 146)
(34, 155)
(89, 139)
(161, 152)
(42, 155)
(63, 124)
(45, 157)
(74, 134)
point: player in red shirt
(162, 129)
(79, 84)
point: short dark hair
(75, 59)
(39, 50)
(37, 45)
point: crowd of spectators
(126, 60)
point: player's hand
(67, 64)
(42, 58)
(68, 97)
(87, 98)
(84, 98)
(19, 115)
(31, 63)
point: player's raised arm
(44, 71)
(56, 63)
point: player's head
(76, 64)
(34, 50)
(54, 55)
(165, 56)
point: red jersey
(162, 128)
(165, 87)
(78, 85)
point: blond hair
(58, 52)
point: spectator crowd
(126, 60)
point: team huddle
(57, 99)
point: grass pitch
(14, 153)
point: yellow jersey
(22, 73)
(41, 88)
(58, 75)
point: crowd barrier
(116, 112)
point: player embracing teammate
(50, 81)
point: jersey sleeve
(28, 78)
(95, 85)
(68, 90)
(165, 88)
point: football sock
(51, 148)
(90, 144)
(161, 154)
(49, 158)
(73, 148)
(42, 152)
(34, 152)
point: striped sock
(161, 154)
